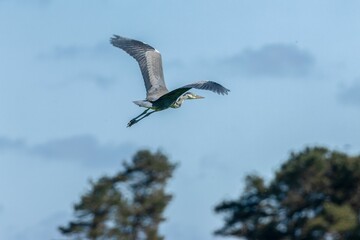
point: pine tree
(127, 206)
(314, 195)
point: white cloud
(100, 80)
(83, 148)
(350, 94)
(11, 144)
(272, 60)
(45, 229)
(99, 50)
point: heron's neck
(179, 101)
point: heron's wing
(149, 60)
(208, 85)
(172, 96)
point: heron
(158, 97)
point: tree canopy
(126, 206)
(314, 195)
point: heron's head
(190, 95)
(185, 96)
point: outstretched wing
(208, 85)
(172, 96)
(150, 63)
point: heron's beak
(197, 97)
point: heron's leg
(144, 112)
(146, 115)
(135, 120)
(132, 121)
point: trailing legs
(142, 115)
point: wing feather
(209, 85)
(150, 63)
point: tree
(314, 195)
(126, 206)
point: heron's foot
(132, 122)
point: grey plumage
(208, 85)
(158, 96)
(150, 63)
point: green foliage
(334, 218)
(314, 195)
(127, 206)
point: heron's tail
(143, 103)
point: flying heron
(158, 97)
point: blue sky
(66, 96)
